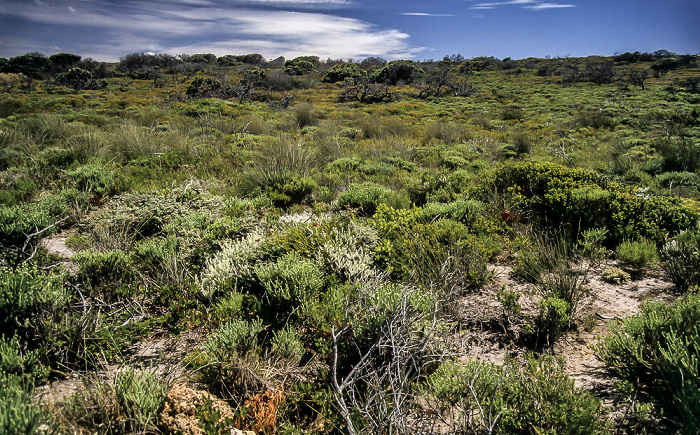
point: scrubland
(456, 246)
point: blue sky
(108, 29)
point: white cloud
(190, 26)
(549, 6)
(526, 4)
(423, 14)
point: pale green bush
(233, 266)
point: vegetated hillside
(196, 243)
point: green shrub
(682, 259)
(24, 294)
(19, 414)
(590, 244)
(465, 211)
(365, 197)
(535, 397)
(93, 178)
(658, 351)
(109, 275)
(140, 395)
(290, 282)
(637, 255)
(22, 363)
(286, 344)
(553, 318)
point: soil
(485, 334)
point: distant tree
(228, 60)
(301, 65)
(76, 78)
(61, 62)
(454, 58)
(204, 87)
(3, 64)
(435, 80)
(202, 58)
(662, 66)
(253, 59)
(339, 73)
(637, 77)
(99, 70)
(600, 72)
(33, 65)
(372, 63)
(398, 71)
(662, 53)
(364, 90)
(252, 78)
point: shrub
(25, 364)
(305, 115)
(615, 275)
(93, 178)
(553, 318)
(290, 282)
(682, 259)
(658, 351)
(140, 395)
(535, 397)
(365, 197)
(637, 255)
(286, 344)
(338, 73)
(109, 275)
(233, 267)
(24, 294)
(590, 244)
(19, 414)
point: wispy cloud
(274, 28)
(423, 14)
(526, 4)
(541, 6)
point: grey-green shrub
(286, 344)
(19, 414)
(25, 293)
(615, 275)
(365, 196)
(682, 259)
(109, 275)
(658, 350)
(291, 281)
(140, 395)
(13, 360)
(535, 397)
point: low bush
(637, 255)
(232, 269)
(93, 178)
(19, 413)
(615, 275)
(682, 259)
(658, 351)
(365, 197)
(535, 397)
(290, 282)
(140, 396)
(25, 294)
(109, 275)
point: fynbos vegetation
(349, 247)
